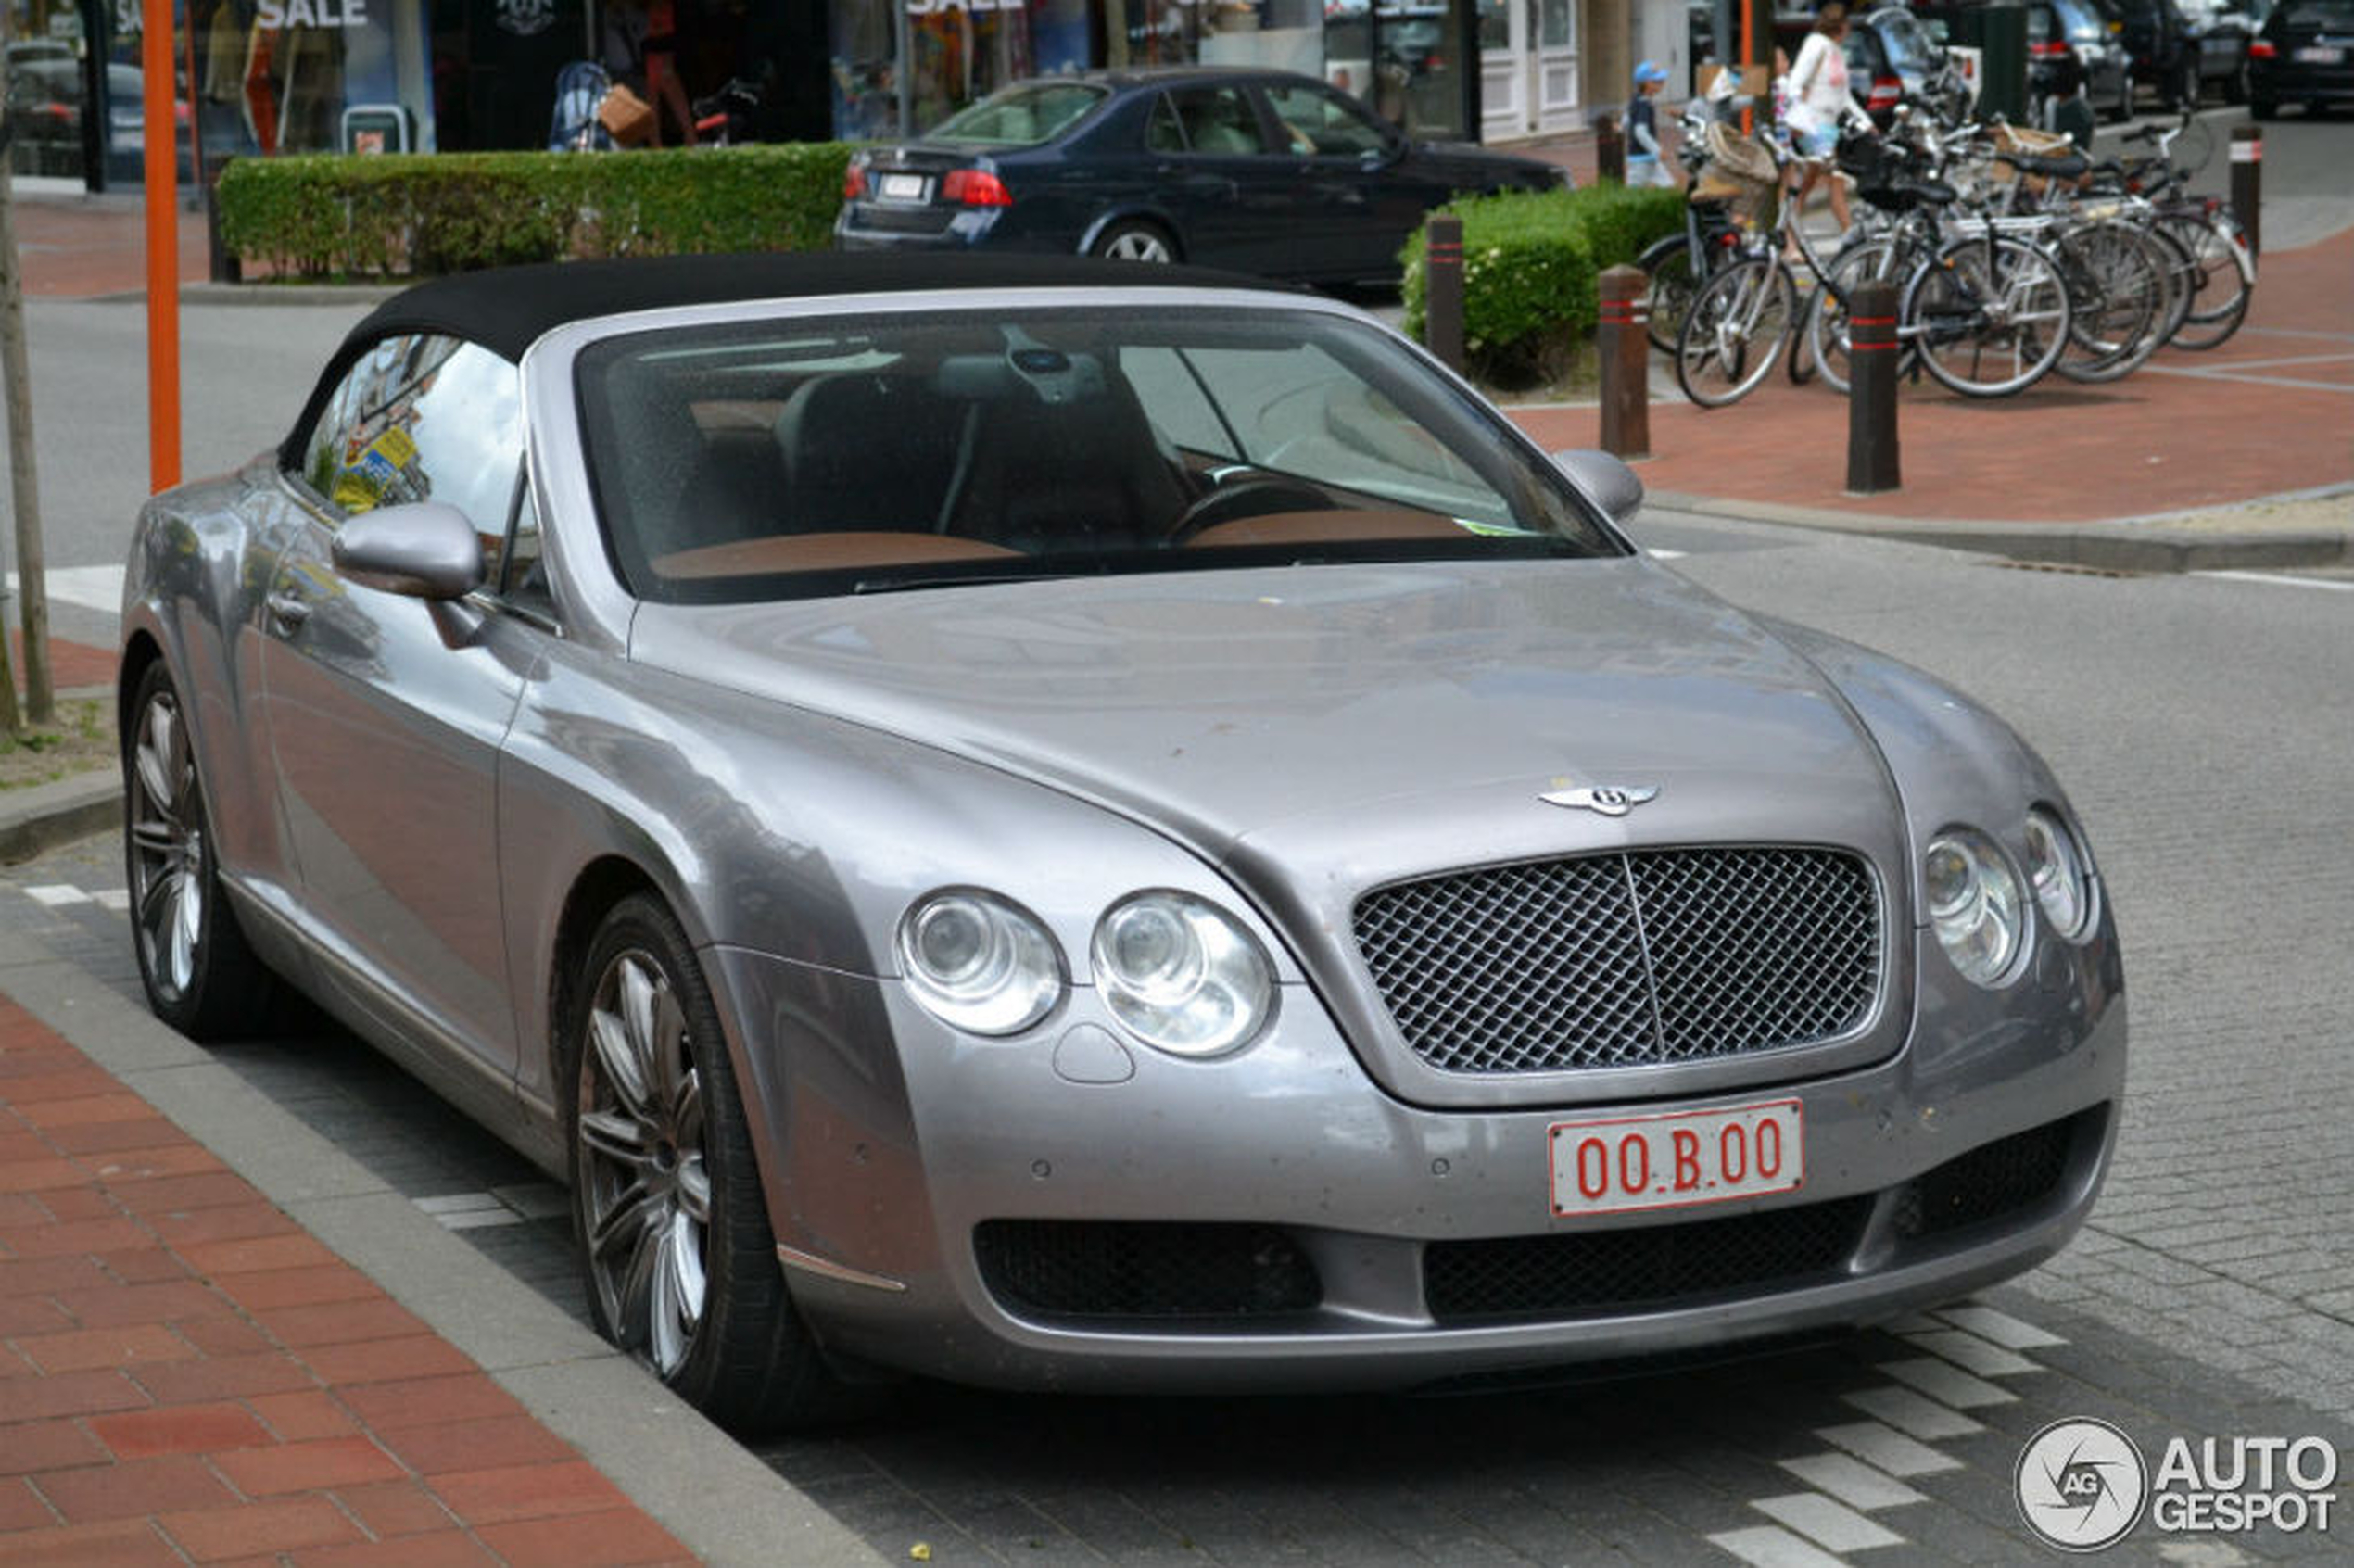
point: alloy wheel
(167, 866)
(645, 1190)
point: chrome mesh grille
(1626, 960)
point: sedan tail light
(975, 187)
(854, 181)
(2047, 50)
(2264, 49)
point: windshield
(2083, 23)
(1020, 117)
(1908, 46)
(775, 459)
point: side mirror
(1607, 481)
(419, 549)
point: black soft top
(508, 309)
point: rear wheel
(1990, 317)
(1827, 331)
(680, 1263)
(1133, 239)
(2219, 292)
(2118, 300)
(199, 972)
(1738, 325)
(1674, 279)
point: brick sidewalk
(185, 1376)
(2265, 414)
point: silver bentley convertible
(1059, 825)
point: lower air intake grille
(1601, 1271)
(1097, 1269)
(1990, 1181)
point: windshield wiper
(897, 585)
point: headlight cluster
(1979, 904)
(1175, 971)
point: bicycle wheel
(1738, 324)
(1824, 334)
(1673, 280)
(1989, 315)
(2221, 292)
(2117, 300)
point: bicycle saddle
(2056, 166)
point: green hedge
(1531, 261)
(424, 213)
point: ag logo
(2080, 1485)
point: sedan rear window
(793, 458)
(1020, 117)
(2333, 16)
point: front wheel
(200, 975)
(679, 1260)
(1133, 239)
(2219, 291)
(1989, 316)
(1827, 335)
(1738, 325)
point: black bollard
(1610, 150)
(1443, 291)
(1871, 389)
(1623, 347)
(2247, 183)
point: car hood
(1350, 724)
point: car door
(386, 713)
(1352, 206)
(1212, 172)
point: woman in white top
(1819, 104)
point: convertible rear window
(1020, 117)
(796, 457)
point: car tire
(675, 1243)
(200, 975)
(2262, 109)
(2236, 84)
(2124, 110)
(1134, 239)
(2184, 94)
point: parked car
(2183, 47)
(2057, 31)
(1072, 826)
(2305, 55)
(1260, 171)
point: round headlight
(1180, 974)
(1975, 903)
(2060, 873)
(978, 964)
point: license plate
(2320, 55)
(1677, 1159)
(901, 188)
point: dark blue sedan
(1259, 170)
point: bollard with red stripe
(1871, 389)
(1624, 347)
(2247, 183)
(1443, 290)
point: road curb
(2155, 544)
(36, 821)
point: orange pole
(163, 248)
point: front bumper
(890, 1143)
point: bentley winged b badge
(1608, 799)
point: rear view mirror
(1607, 481)
(419, 549)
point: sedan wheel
(681, 1265)
(199, 973)
(1136, 242)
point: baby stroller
(580, 87)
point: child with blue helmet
(1645, 164)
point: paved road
(2203, 726)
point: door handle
(287, 612)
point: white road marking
(2001, 1327)
(1852, 1481)
(91, 588)
(1946, 1383)
(1973, 1354)
(1834, 1527)
(2281, 580)
(116, 899)
(56, 895)
(1769, 1546)
(1911, 1413)
(459, 1203)
(1887, 1448)
(1664, 554)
